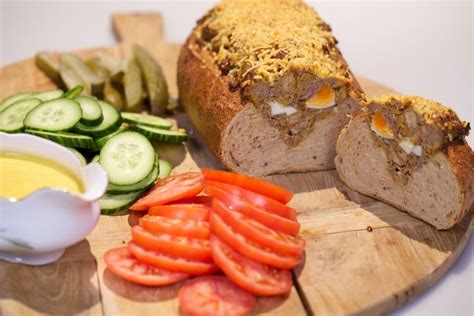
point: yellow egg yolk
(323, 98)
(380, 126)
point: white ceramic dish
(37, 229)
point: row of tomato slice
(201, 222)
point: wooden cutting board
(362, 256)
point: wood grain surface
(362, 256)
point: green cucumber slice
(100, 142)
(140, 186)
(91, 111)
(161, 134)
(11, 119)
(146, 120)
(78, 155)
(128, 158)
(95, 158)
(74, 92)
(110, 123)
(54, 116)
(165, 169)
(49, 95)
(111, 204)
(65, 138)
(14, 98)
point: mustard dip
(22, 174)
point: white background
(416, 47)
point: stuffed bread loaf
(266, 86)
(411, 153)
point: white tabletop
(421, 47)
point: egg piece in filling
(380, 126)
(322, 99)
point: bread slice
(433, 182)
(266, 86)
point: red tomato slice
(258, 233)
(121, 262)
(255, 277)
(197, 249)
(171, 263)
(200, 200)
(257, 199)
(250, 249)
(176, 227)
(268, 219)
(214, 295)
(171, 189)
(195, 212)
(259, 186)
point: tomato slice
(250, 249)
(257, 199)
(259, 186)
(121, 262)
(190, 248)
(200, 200)
(258, 233)
(214, 295)
(195, 212)
(255, 277)
(176, 227)
(171, 263)
(171, 189)
(268, 219)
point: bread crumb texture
(432, 112)
(261, 40)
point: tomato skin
(249, 249)
(259, 186)
(193, 212)
(250, 275)
(178, 187)
(197, 249)
(267, 203)
(259, 233)
(170, 263)
(268, 219)
(121, 262)
(196, 200)
(175, 227)
(214, 295)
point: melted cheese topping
(380, 126)
(323, 98)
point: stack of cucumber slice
(87, 125)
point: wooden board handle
(140, 28)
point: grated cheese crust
(262, 40)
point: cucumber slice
(74, 92)
(95, 158)
(161, 134)
(146, 120)
(140, 186)
(49, 95)
(100, 142)
(110, 123)
(54, 116)
(11, 119)
(165, 169)
(78, 155)
(128, 158)
(65, 138)
(110, 204)
(91, 111)
(14, 98)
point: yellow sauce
(22, 174)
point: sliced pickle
(133, 86)
(51, 69)
(80, 69)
